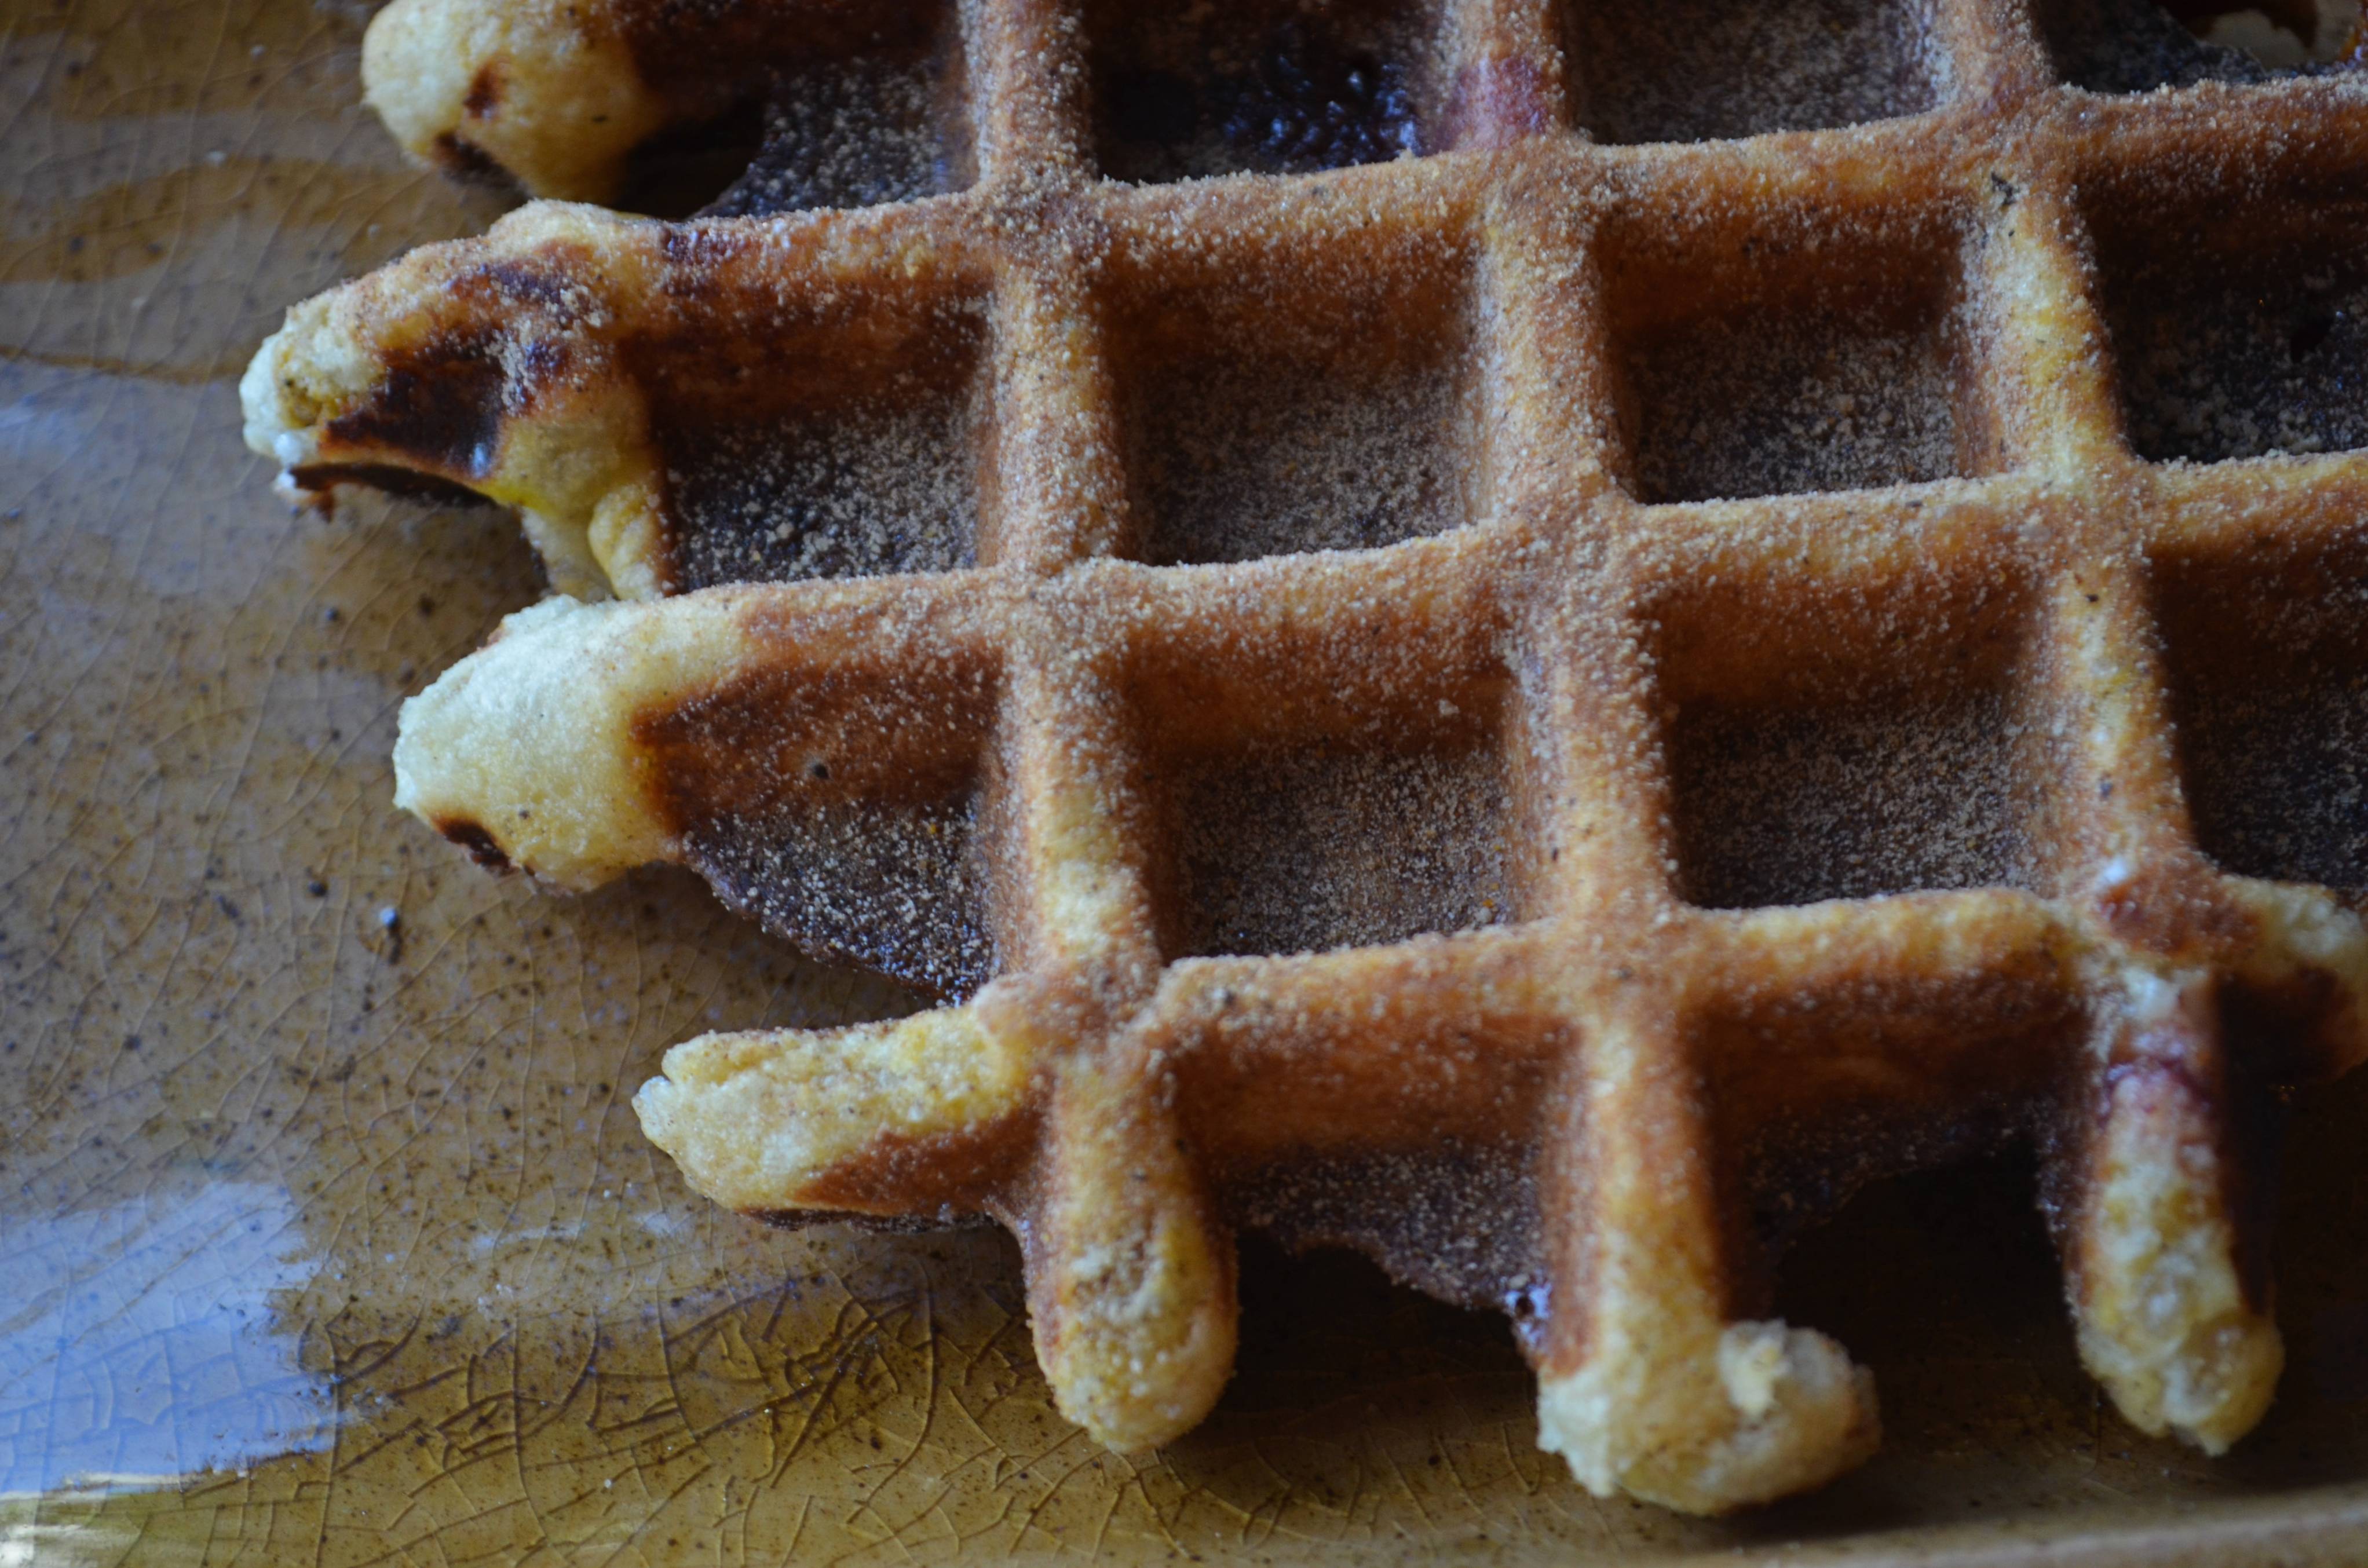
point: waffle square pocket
(1527, 641)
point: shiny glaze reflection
(148, 1344)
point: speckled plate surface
(330, 1235)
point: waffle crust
(1543, 706)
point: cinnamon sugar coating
(1509, 683)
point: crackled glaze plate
(331, 1238)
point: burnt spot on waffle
(1702, 69)
(1258, 87)
(319, 480)
(1771, 370)
(440, 405)
(2238, 332)
(2269, 665)
(1883, 759)
(1335, 415)
(437, 414)
(463, 160)
(482, 846)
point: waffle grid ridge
(1610, 1030)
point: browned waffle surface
(1545, 704)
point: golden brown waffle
(1269, 650)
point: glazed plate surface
(331, 1236)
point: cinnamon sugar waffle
(1543, 704)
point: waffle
(1734, 603)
